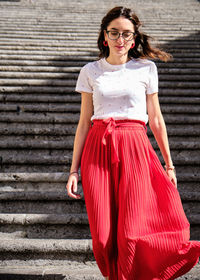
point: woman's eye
(126, 34)
(114, 33)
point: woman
(138, 226)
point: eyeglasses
(114, 35)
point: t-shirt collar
(116, 66)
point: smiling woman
(139, 44)
(138, 226)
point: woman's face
(120, 46)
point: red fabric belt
(110, 124)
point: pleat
(98, 195)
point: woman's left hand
(172, 176)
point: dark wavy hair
(142, 48)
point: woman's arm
(82, 129)
(158, 127)
(80, 136)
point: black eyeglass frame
(120, 33)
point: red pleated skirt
(137, 222)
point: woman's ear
(105, 35)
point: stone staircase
(43, 44)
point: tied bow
(110, 129)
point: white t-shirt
(119, 91)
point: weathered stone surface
(45, 234)
(74, 271)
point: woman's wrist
(170, 167)
(73, 172)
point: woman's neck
(117, 60)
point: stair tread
(75, 272)
(45, 245)
(74, 269)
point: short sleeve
(83, 81)
(152, 85)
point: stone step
(58, 46)
(11, 46)
(54, 219)
(92, 35)
(26, 11)
(34, 178)
(69, 90)
(91, 30)
(45, 179)
(71, 265)
(73, 271)
(79, 61)
(61, 30)
(49, 204)
(171, 46)
(31, 212)
(44, 158)
(71, 126)
(52, 20)
(50, 209)
(44, 218)
(47, 70)
(184, 42)
(75, 98)
(71, 83)
(62, 26)
(69, 226)
(183, 58)
(7, 76)
(43, 25)
(42, 142)
(31, 75)
(63, 157)
(77, 43)
(91, 10)
(37, 179)
(42, 88)
(70, 272)
(37, 186)
(51, 142)
(52, 82)
(26, 98)
(74, 67)
(59, 108)
(48, 226)
(30, 192)
(46, 251)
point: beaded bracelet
(73, 172)
(167, 167)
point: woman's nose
(120, 39)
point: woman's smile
(119, 47)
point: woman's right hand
(72, 185)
